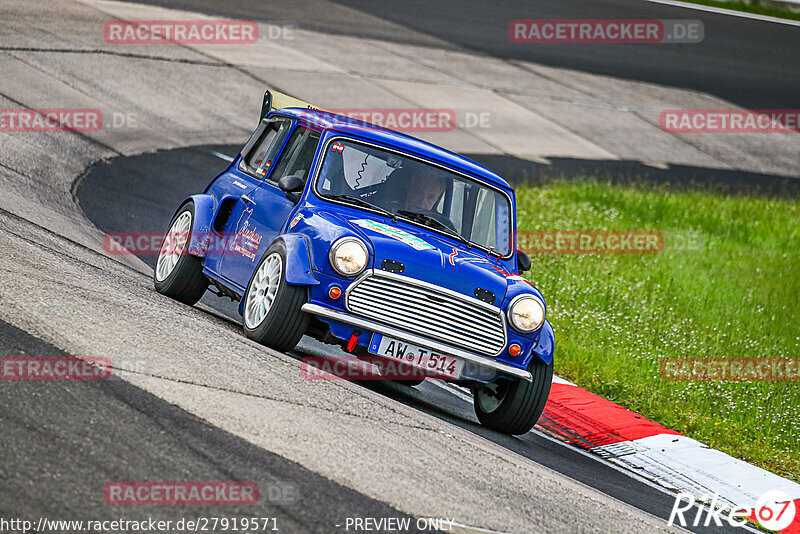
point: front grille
(428, 310)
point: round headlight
(348, 256)
(526, 313)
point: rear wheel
(272, 314)
(512, 406)
(178, 274)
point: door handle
(247, 199)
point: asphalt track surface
(140, 193)
(752, 63)
(67, 439)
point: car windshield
(405, 186)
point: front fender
(298, 261)
(545, 349)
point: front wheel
(512, 406)
(178, 274)
(272, 314)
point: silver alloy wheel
(490, 402)
(262, 291)
(174, 243)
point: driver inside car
(425, 189)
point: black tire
(284, 323)
(520, 402)
(185, 283)
(403, 369)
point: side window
(298, 155)
(260, 150)
(483, 229)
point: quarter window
(260, 151)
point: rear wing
(276, 100)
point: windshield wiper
(430, 221)
(364, 204)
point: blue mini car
(390, 247)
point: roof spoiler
(276, 100)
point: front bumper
(374, 326)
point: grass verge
(751, 7)
(727, 284)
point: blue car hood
(433, 257)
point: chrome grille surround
(428, 310)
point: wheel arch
(201, 226)
(298, 262)
(545, 349)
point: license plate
(433, 363)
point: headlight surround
(526, 313)
(348, 256)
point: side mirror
(291, 185)
(523, 262)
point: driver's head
(425, 188)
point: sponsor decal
(245, 239)
(512, 276)
(338, 147)
(404, 237)
(462, 256)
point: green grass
(734, 291)
(751, 7)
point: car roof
(334, 122)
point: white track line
(220, 155)
(722, 11)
